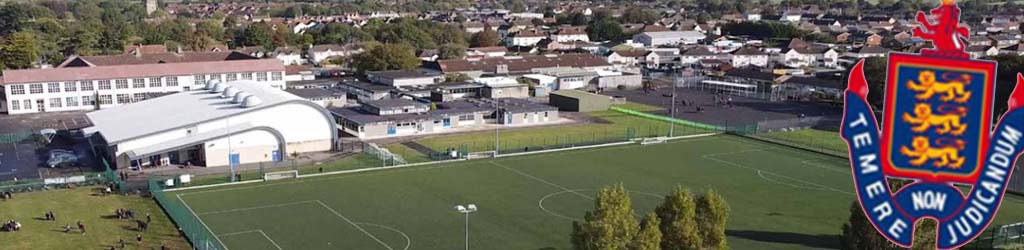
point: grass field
(616, 127)
(71, 205)
(781, 198)
(813, 138)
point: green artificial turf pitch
(781, 198)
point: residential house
(570, 34)
(668, 38)
(749, 56)
(631, 57)
(868, 51)
(289, 55)
(320, 52)
(525, 38)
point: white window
(123, 99)
(104, 85)
(172, 81)
(261, 76)
(106, 100)
(28, 104)
(247, 76)
(72, 101)
(87, 100)
(230, 77)
(121, 83)
(214, 77)
(17, 89)
(155, 82)
(276, 76)
(53, 87)
(466, 117)
(85, 85)
(55, 103)
(35, 88)
(15, 105)
(70, 87)
(138, 97)
(138, 83)
(199, 79)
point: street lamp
(466, 210)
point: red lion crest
(945, 33)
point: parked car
(62, 159)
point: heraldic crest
(936, 130)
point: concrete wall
(627, 81)
(522, 91)
(252, 147)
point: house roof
(698, 51)
(165, 113)
(139, 70)
(308, 93)
(870, 50)
(154, 58)
(749, 51)
(631, 53)
(521, 64)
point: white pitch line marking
(354, 224)
(254, 231)
(540, 180)
(257, 207)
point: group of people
(81, 227)
(11, 226)
(6, 195)
(125, 214)
(51, 216)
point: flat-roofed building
(237, 122)
(403, 117)
(73, 88)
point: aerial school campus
(693, 132)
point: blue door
(447, 122)
(392, 130)
(173, 157)
(233, 159)
(275, 155)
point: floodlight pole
(497, 127)
(672, 123)
(466, 210)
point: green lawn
(780, 198)
(347, 163)
(408, 154)
(71, 205)
(619, 126)
(815, 139)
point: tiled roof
(166, 57)
(522, 64)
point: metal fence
(1010, 236)
(181, 214)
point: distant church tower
(151, 6)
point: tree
(486, 38)
(610, 226)
(640, 15)
(256, 34)
(21, 50)
(394, 56)
(649, 236)
(712, 213)
(678, 222)
(605, 30)
(451, 51)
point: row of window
(85, 101)
(154, 82)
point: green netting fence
(188, 223)
(727, 128)
(112, 176)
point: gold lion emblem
(953, 90)
(946, 156)
(947, 123)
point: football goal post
(481, 154)
(290, 174)
(385, 155)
